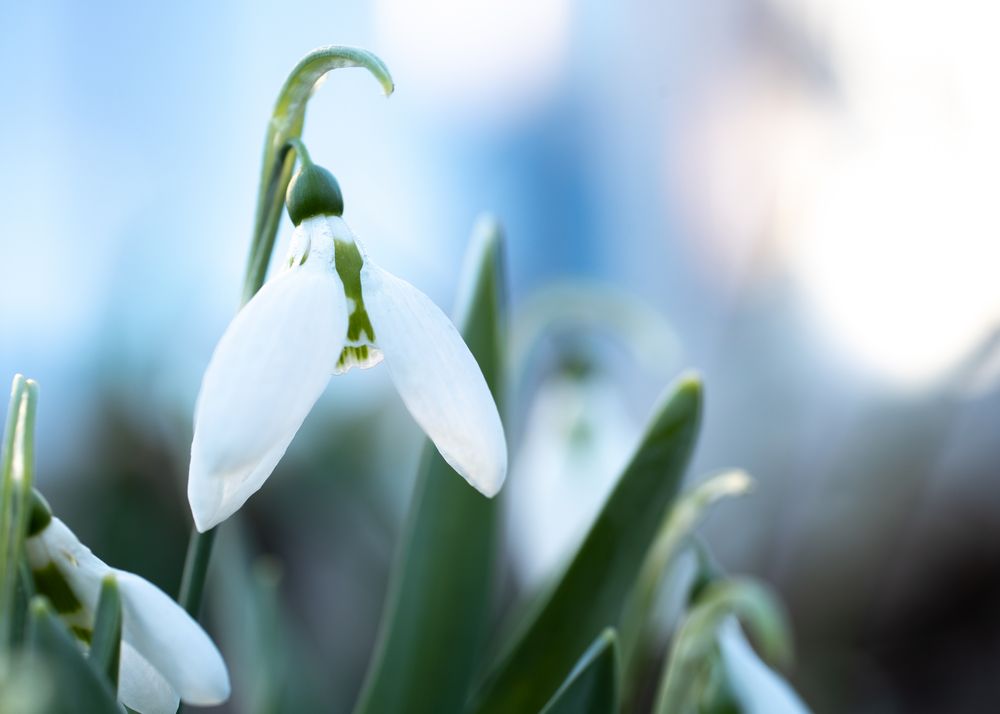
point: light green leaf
(683, 518)
(688, 668)
(437, 609)
(16, 474)
(80, 687)
(26, 685)
(106, 640)
(286, 123)
(592, 686)
(591, 593)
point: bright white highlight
(485, 57)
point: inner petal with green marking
(51, 583)
(359, 349)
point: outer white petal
(171, 642)
(437, 377)
(266, 374)
(756, 687)
(141, 687)
(82, 569)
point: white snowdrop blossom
(578, 437)
(756, 687)
(332, 308)
(166, 657)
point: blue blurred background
(803, 192)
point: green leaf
(80, 687)
(592, 686)
(590, 595)
(679, 523)
(438, 605)
(26, 685)
(106, 641)
(16, 474)
(688, 669)
(286, 123)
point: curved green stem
(286, 124)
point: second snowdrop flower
(331, 308)
(165, 655)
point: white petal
(171, 642)
(266, 374)
(756, 687)
(82, 570)
(141, 687)
(437, 377)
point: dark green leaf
(590, 595)
(592, 686)
(106, 641)
(437, 609)
(80, 687)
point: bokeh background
(796, 197)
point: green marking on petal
(84, 634)
(51, 583)
(360, 350)
(349, 262)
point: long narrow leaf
(16, 474)
(106, 641)
(80, 687)
(591, 593)
(592, 686)
(434, 621)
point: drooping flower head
(166, 657)
(755, 686)
(332, 308)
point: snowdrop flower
(754, 685)
(330, 309)
(165, 655)
(578, 437)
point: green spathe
(313, 191)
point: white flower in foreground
(331, 308)
(166, 656)
(755, 686)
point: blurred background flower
(803, 188)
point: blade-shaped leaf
(592, 686)
(590, 595)
(438, 605)
(689, 665)
(684, 516)
(106, 640)
(80, 687)
(16, 474)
